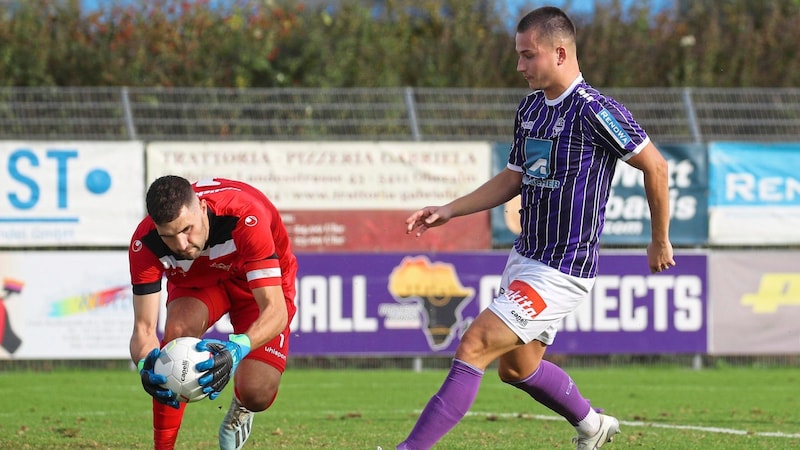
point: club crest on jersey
(250, 221)
(558, 127)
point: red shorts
(237, 300)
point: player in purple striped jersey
(567, 139)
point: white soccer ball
(177, 362)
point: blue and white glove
(152, 381)
(220, 368)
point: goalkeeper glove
(152, 381)
(220, 368)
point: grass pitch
(659, 408)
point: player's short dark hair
(551, 21)
(166, 196)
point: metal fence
(670, 115)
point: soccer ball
(177, 362)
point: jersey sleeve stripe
(274, 272)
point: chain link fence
(670, 115)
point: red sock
(166, 423)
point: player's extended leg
(484, 341)
(166, 424)
(255, 385)
(551, 386)
(548, 384)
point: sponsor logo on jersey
(549, 184)
(521, 320)
(136, 246)
(537, 164)
(250, 221)
(275, 352)
(531, 303)
(613, 127)
(537, 157)
(221, 266)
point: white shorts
(535, 297)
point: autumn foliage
(360, 43)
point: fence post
(412, 113)
(126, 109)
(691, 116)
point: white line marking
(650, 424)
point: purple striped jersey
(567, 150)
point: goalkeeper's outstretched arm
(145, 320)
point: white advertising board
(70, 193)
(65, 305)
(333, 175)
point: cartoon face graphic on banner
(438, 293)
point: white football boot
(236, 426)
(609, 426)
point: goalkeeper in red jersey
(223, 248)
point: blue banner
(754, 193)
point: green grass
(660, 408)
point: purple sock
(445, 409)
(552, 387)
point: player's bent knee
(259, 400)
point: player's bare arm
(273, 318)
(656, 186)
(499, 189)
(145, 320)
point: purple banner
(634, 311)
(420, 304)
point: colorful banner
(65, 305)
(70, 193)
(755, 302)
(389, 304)
(627, 211)
(346, 196)
(754, 193)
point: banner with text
(346, 196)
(70, 193)
(754, 193)
(755, 302)
(356, 304)
(627, 212)
(395, 304)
